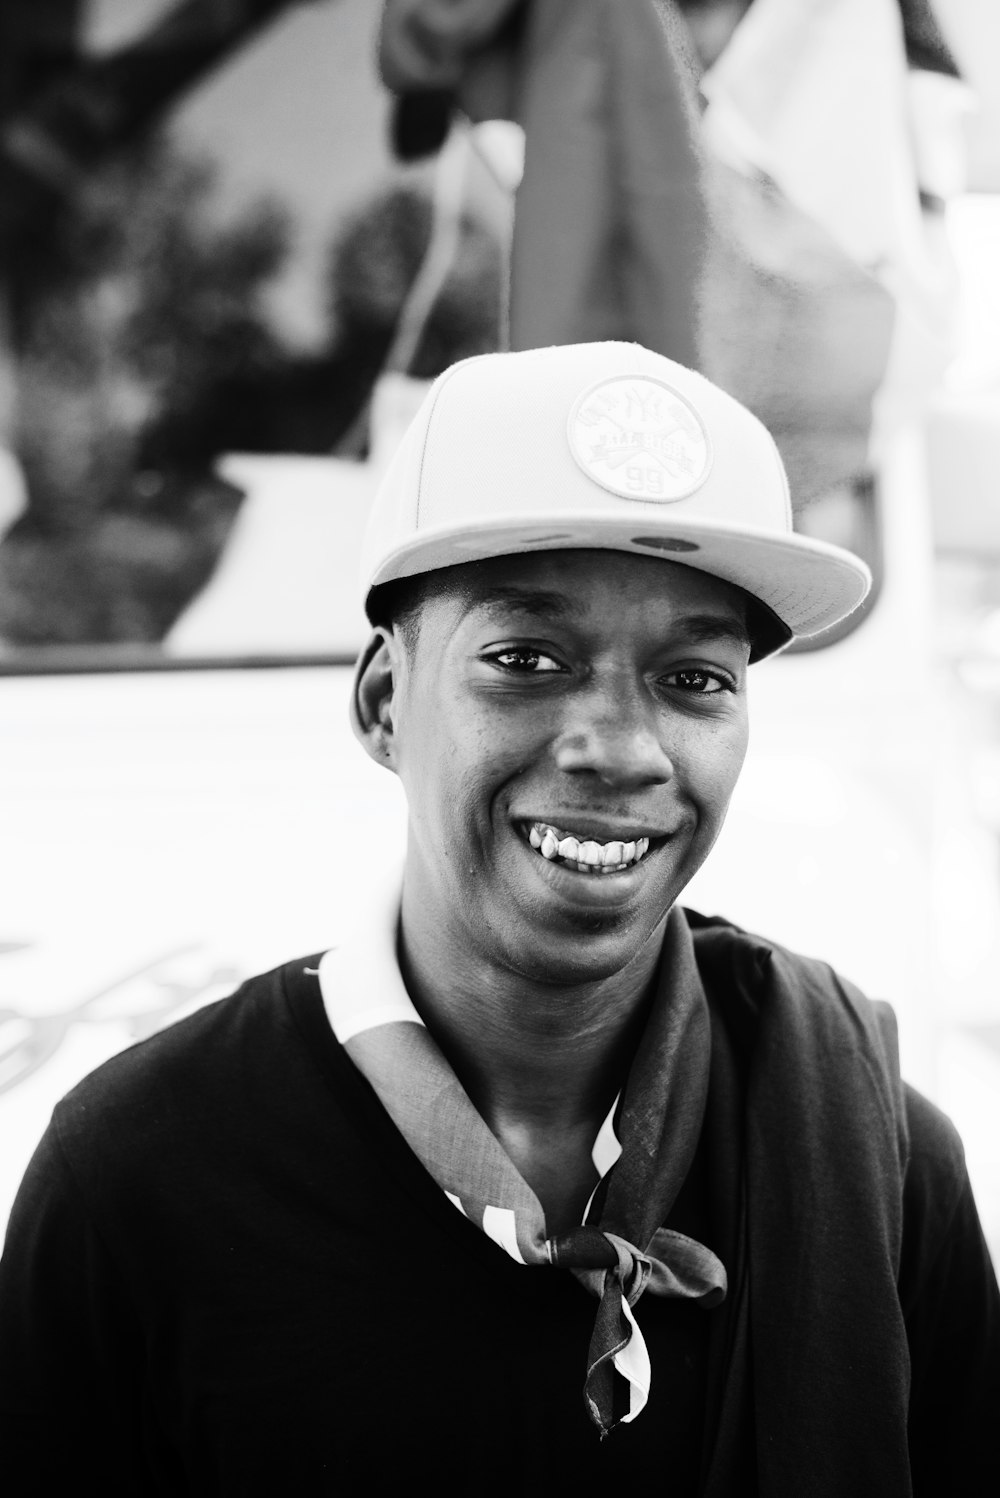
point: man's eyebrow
(710, 629)
(544, 604)
(699, 629)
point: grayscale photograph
(500, 748)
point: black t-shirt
(226, 1273)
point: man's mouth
(586, 855)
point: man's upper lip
(596, 825)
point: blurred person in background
(754, 189)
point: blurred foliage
(373, 263)
(318, 403)
(144, 349)
(132, 314)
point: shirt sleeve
(71, 1352)
(948, 1289)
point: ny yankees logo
(640, 439)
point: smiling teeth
(590, 856)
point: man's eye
(701, 683)
(522, 658)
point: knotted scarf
(641, 1154)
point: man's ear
(375, 682)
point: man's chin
(586, 949)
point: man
(538, 1183)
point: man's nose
(615, 736)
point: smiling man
(540, 1182)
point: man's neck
(542, 1060)
(531, 1054)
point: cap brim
(808, 585)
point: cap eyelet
(665, 543)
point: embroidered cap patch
(638, 438)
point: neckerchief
(641, 1154)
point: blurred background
(238, 238)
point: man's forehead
(564, 585)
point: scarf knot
(600, 1259)
(617, 1273)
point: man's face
(568, 727)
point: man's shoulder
(181, 1070)
(718, 939)
(751, 977)
(936, 1173)
(748, 969)
(937, 1145)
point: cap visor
(810, 585)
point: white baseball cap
(606, 446)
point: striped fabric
(641, 1153)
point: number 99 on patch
(643, 479)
